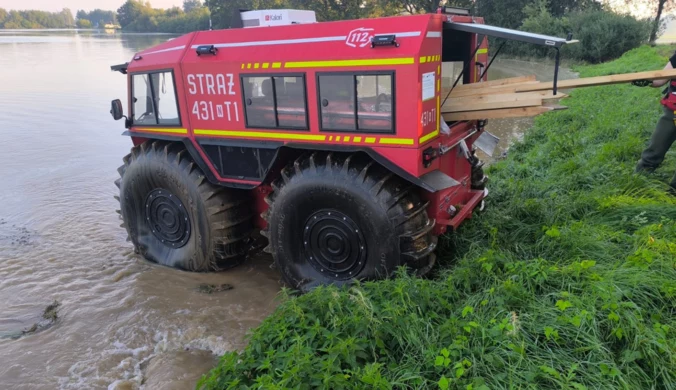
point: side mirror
(116, 109)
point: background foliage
(604, 34)
(36, 19)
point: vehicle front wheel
(175, 217)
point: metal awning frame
(514, 35)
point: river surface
(123, 323)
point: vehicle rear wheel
(175, 217)
(334, 218)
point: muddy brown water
(512, 129)
(123, 323)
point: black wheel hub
(167, 218)
(334, 244)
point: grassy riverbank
(568, 280)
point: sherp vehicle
(325, 137)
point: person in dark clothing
(665, 131)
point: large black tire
(175, 217)
(334, 218)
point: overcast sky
(74, 5)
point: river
(123, 323)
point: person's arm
(659, 83)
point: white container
(277, 17)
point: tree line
(97, 18)
(36, 19)
(605, 33)
(139, 16)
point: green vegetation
(36, 19)
(566, 281)
(137, 16)
(98, 18)
(604, 35)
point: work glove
(641, 83)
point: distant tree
(429, 6)
(562, 7)
(98, 16)
(84, 23)
(67, 17)
(129, 12)
(36, 19)
(503, 13)
(189, 5)
(221, 11)
(660, 7)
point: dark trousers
(663, 137)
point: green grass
(567, 281)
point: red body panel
(211, 102)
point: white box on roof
(277, 17)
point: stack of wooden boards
(524, 96)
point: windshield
(154, 99)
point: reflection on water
(122, 320)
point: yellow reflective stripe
(339, 63)
(248, 66)
(266, 65)
(276, 65)
(346, 139)
(162, 130)
(370, 140)
(256, 65)
(357, 139)
(423, 60)
(482, 51)
(428, 137)
(243, 65)
(262, 134)
(438, 113)
(338, 138)
(396, 141)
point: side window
(336, 98)
(275, 102)
(374, 95)
(144, 111)
(354, 102)
(165, 98)
(154, 99)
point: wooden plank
(510, 88)
(504, 97)
(601, 80)
(498, 82)
(461, 107)
(503, 113)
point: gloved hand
(641, 83)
